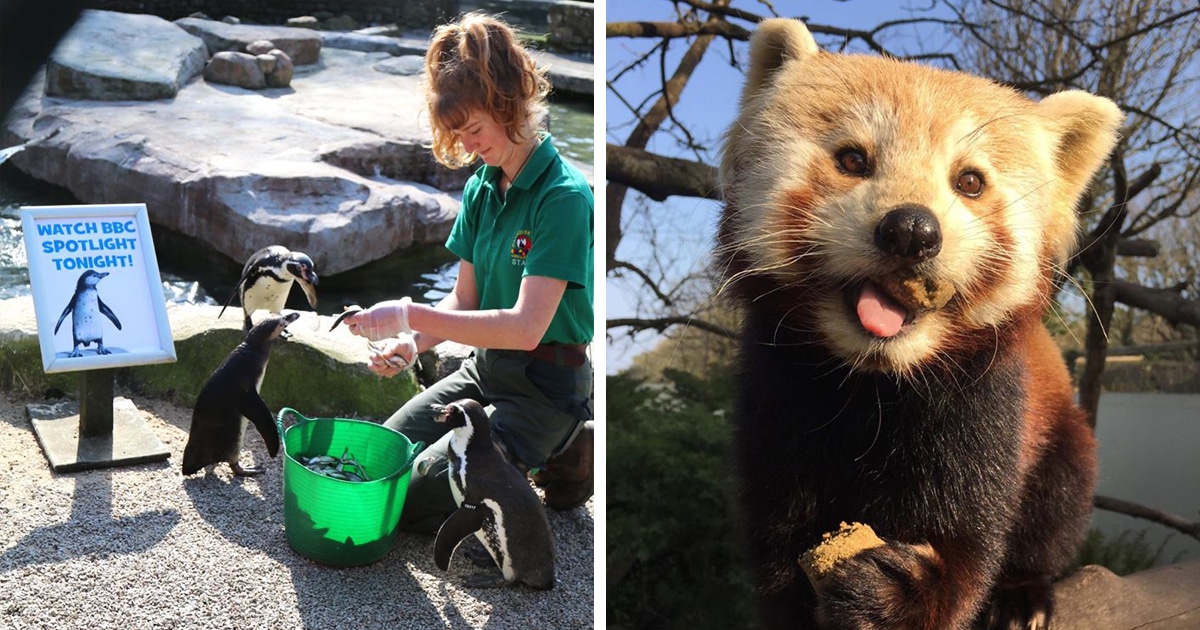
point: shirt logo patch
(521, 245)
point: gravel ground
(143, 547)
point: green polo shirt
(543, 227)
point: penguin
(229, 401)
(496, 503)
(87, 307)
(267, 279)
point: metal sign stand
(99, 431)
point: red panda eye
(969, 183)
(853, 162)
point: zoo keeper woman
(523, 296)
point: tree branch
(659, 177)
(662, 323)
(1137, 248)
(1167, 303)
(650, 283)
(725, 10)
(1150, 514)
(647, 125)
(675, 30)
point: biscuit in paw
(848, 541)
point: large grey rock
(1163, 598)
(235, 68)
(301, 44)
(571, 26)
(96, 60)
(568, 74)
(282, 69)
(375, 43)
(404, 65)
(336, 166)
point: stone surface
(1163, 598)
(266, 63)
(569, 74)
(260, 47)
(375, 43)
(404, 65)
(339, 157)
(301, 44)
(282, 70)
(113, 56)
(235, 68)
(304, 21)
(571, 26)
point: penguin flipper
(466, 520)
(108, 312)
(237, 289)
(70, 304)
(255, 410)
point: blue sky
(684, 225)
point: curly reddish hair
(474, 64)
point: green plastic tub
(344, 523)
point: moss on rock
(319, 372)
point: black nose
(910, 232)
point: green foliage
(1128, 553)
(674, 553)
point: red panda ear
(775, 41)
(1086, 127)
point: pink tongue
(878, 313)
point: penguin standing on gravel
(86, 308)
(496, 503)
(229, 401)
(267, 280)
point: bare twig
(1137, 510)
(662, 323)
(650, 283)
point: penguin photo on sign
(267, 280)
(85, 308)
(229, 401)
(496, 503)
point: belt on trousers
(569, 354)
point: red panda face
(896, 211)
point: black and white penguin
(267, 280)
(496, 503)
(87, 307)
(230, 400)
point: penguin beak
(301, 268)
(309, 288)
(442, 411)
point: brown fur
(955, 435)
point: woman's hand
(381, 321)
(392, 356)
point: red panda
(893, 232)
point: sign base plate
(57, 427)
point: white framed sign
(97, 292)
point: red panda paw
(893, 587)
(1025, 606)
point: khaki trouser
(535, 408)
